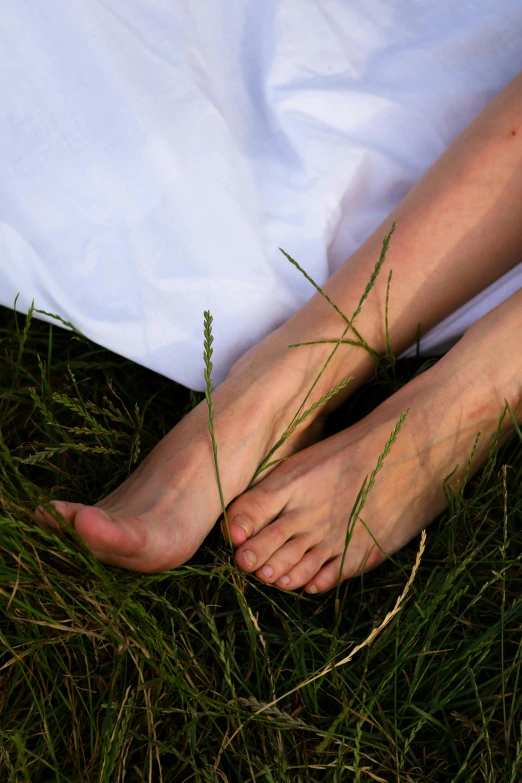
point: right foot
(298, 516)
(160, 515)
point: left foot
(296, 518)
(161, 514)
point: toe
(67, 510)
(284, 558)
(252, 511)
(240, 529)
(105, 534)
(355, 563)
(257, 550)
(326, 578)
(305, 569)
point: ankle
(312, 349)
(492, 352)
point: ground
(107, 675)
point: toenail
(249, 557)
(242, 521)
(312, 589)
(267, 571)
(285, 580)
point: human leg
(297, 518)
(460, 216)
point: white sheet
(156, 153)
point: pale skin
(458, 230)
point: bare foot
(294, 522)
(160, 515)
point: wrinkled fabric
(156, 154)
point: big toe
(253, 511)
(67, 510)
(109, 535)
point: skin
(311, 494)
(458, 230)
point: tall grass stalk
(298, 416)
(208, 339)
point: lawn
(205, 674)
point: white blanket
(155, 154)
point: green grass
(107, 675)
